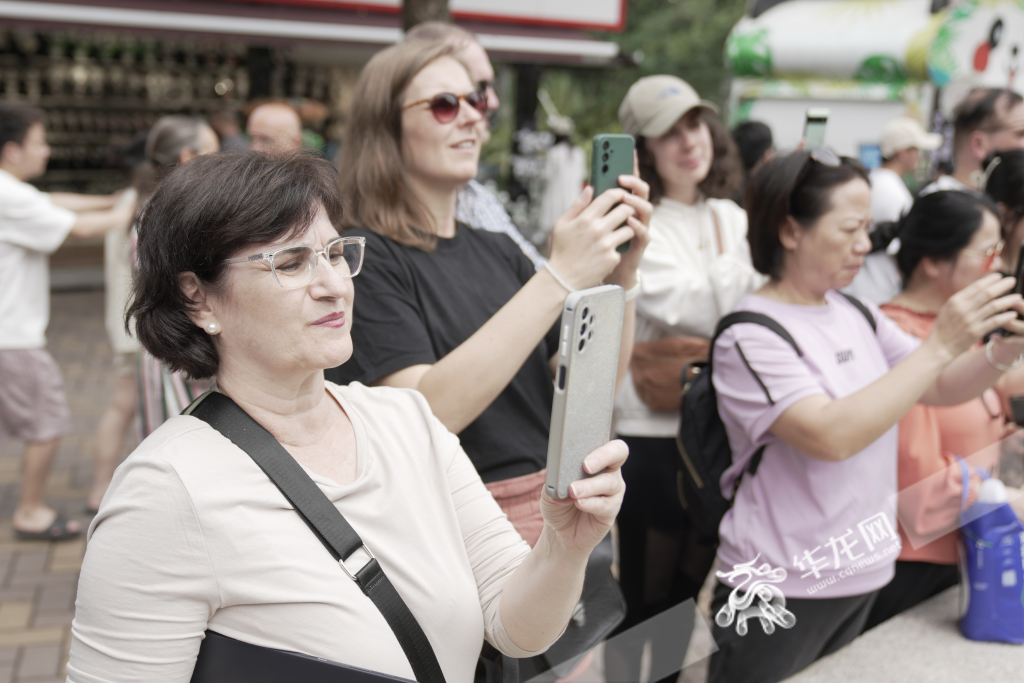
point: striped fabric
(162, 394)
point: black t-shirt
(414, 307)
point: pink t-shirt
(830, 525)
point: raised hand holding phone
(584, 239)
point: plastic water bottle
(992, 491)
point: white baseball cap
(905, 133)
(654, 103)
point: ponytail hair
(939, 226)
(884, 234)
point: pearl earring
(212, 327)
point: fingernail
(572, 490)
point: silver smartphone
(588, 360)
(814, 128)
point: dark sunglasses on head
(822, 155)
(445, 106)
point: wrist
(1003, 356)
(942, 354)
(553, 272)
(554, 548)
(625, 280)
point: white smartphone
(588, 360)
(814, 128)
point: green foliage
(681, 37)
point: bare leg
(110, 435)
(32, 513)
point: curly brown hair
(725, 177)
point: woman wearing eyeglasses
(242, 275)
(460, 314)
(819, 508)
(948, 240)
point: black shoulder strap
(737, 317)
(323, 518)
(859, 305)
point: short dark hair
(939, 225)
(980, 110)
(1005, 184)
(783, 189)
(200, 215)
(724, 177)
(16, 119)
(753, 139)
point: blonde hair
(372, 172)
(440, 31)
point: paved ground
(38, 580)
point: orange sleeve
(929, 479)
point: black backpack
(702, 440)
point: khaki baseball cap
(905, 133)
(654, 103)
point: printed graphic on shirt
(844, 356)
(771, 603)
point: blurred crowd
(893, 349)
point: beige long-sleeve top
(688, 283)
(193, 535)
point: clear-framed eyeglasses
(989, 255)
(295, 266)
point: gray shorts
(32, 403)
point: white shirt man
(987, 120)
(902, 141)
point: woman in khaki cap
(695, 269)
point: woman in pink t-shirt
(947, 241)
(815, 522)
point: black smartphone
(1017, 407)
(612, 156)
(1017, 288)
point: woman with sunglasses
(948, 240)
(819, 507)
(461, 315)
(242, 275)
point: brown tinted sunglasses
(445, 107)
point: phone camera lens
(583, 330)
(586, 311)
(583, 343)
(604, 157)
(604, 169)
(605, 145)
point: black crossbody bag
(227, 660)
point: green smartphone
(612, 157)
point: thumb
(580, 203)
